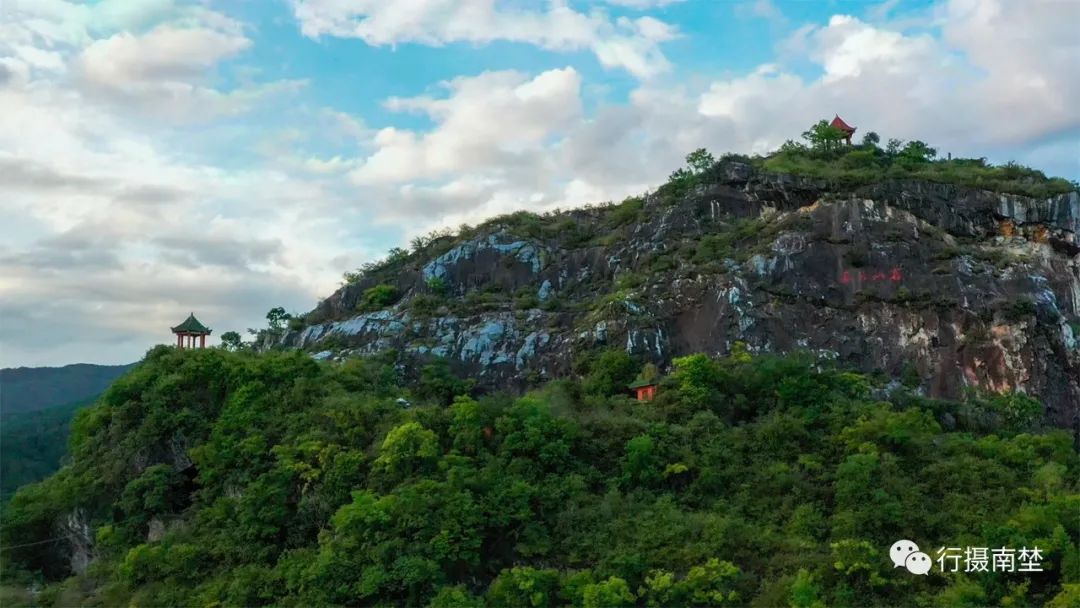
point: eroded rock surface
(952, 286)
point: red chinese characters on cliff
(895, 275)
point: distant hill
(36, 408)
(28, 389)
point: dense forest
(211, 477)
(32, 445)
(36, 408)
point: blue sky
(224, 157)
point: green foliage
(379, 296)
(700, 161)
(612, 593)
(748, 481)
(407, 449)
(276, 318)
(439, 384)
(626, 212)
(1020, 309)
(437, 285)
(610, 373)
(230, 340)
(823, 137)
(850, 166)
(425, 304)
(32, 444)
(1017, 410)
(394, 259)
(805, 592)
(698, 164)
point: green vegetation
(230, 340)
(823, 156)
(32, 444)
(1020, 309)
(379, 296)
(748, 481)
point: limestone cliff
(942, 286)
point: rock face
(945, 286)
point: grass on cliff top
(861, 165)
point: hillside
(32, 445)
(28, 389)
(213, 478)
(949, 276)
(36, 407)
(851, 344)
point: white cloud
(163, 70)
(623, 44)
(762, 9)
(113, 227)
(488, 122)
(999, 75)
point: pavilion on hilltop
(190, 329)
(848, 130)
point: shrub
(1019, 309)
(626, 212)
(437, 285)
(379, 296)
(425, 304)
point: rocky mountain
(940, 286)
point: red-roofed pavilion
(190, 329)
(839, 123)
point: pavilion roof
(191, 325)
(840, 124)
(642, 383)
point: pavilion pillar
(202, 341)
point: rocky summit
(942, 288)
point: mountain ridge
(950, 287)
(25, 389)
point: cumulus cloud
(490, 121)
(998, 76)
(164, 72)
(632, 45)
(112, 228)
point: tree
(277, 317)
(700, 161)
(871, 139)
(893, 147)
(823, 137)
(407, 449)
(917, 152)
(612, 593)
(610, 373)
(230, 340)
